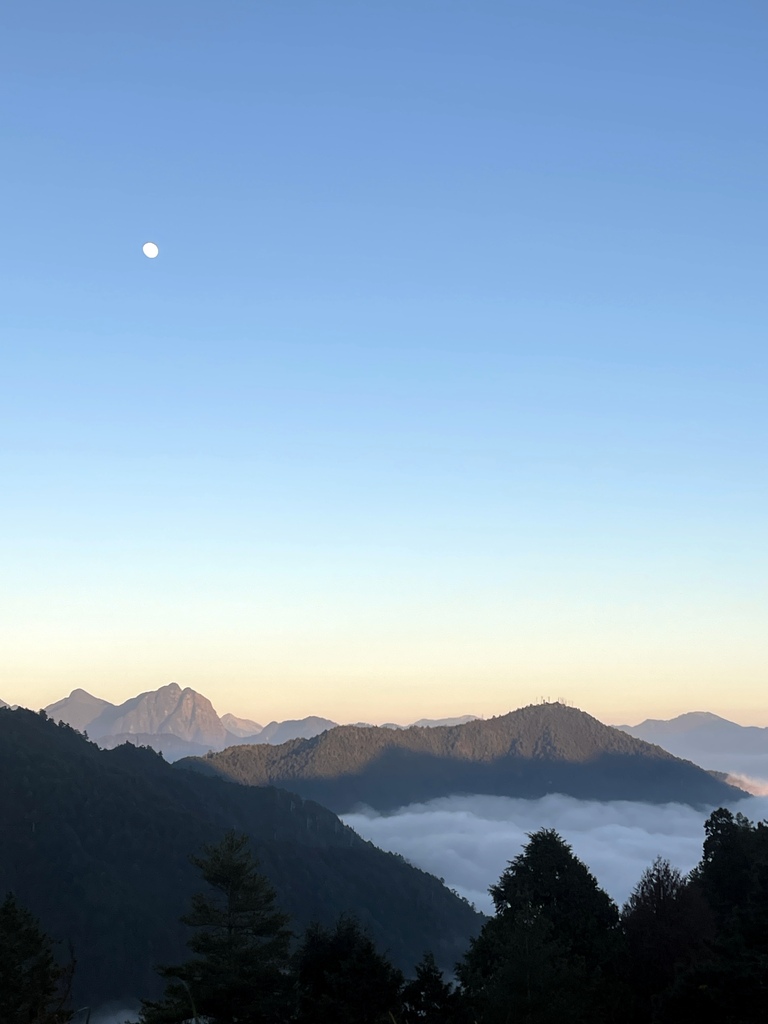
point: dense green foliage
(34, 988)
(557, 949)
(553, 947)
(728, 983)
(96, 843)
(428, 998)
(341, 977)
(544, 748)
(692, 948)
(241, 946)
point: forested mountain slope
(96, 843)
(544, 748)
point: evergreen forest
(556, 949)
(121, 875)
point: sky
(446, 391)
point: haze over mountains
(181, 722)
(710, 741)
(540, 749)
(98, 836)
(174, 721)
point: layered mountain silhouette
(540, 749)
(240, 726)
(431, 722)
(180, 722)
(79, 709)
(702, 731)
(174, 721)
(710, 741)
(301, 728)
(97, 843)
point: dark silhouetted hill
(545, 748)
(169, 745)
(96, 843)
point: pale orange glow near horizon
(404, 698)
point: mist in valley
(468, 840)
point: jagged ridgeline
(96, 843)
(540, 749)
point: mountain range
(174, 721)
(540, 749)
(709, 740)
(181, 722)
(97, 844)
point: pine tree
(428, 999)
(551, 951)
(343, 979)
(241, 946)
(728, 984)
(667, 925)
(34, 989)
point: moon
(150, 250)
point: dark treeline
(96, 844)
(557, 949)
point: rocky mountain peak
(167, 710)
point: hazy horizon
(257, 713)
(439, 712)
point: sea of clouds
(468, 840)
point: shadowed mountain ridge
(530, 752)
(97, 844)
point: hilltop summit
(539, 749)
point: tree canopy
(550, 952)
(34, 988)
(241, 946)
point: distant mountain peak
(79, 709)
(169, 709)
(241, 726)
(709, 739)
(688, 718)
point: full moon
(150, 250)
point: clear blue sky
(448, 387)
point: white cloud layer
(468, 840)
